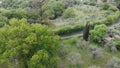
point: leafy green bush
(113, 8)
(105, 6)
(92, 3)
(70, 13)
(117, 44)
(99, 32)
(69, 29)
(14, 13)
(3, 20)
(56, 9)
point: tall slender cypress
(86, 31)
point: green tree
(99, 32)
(27, 46)
(70, 13)
(56, 9)
(39, 7)
(86, 31)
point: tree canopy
(27, 45)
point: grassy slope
(86, 60)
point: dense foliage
(28, 28)
(28, 46)
(99, 32)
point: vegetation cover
(33, 34)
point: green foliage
(56, 9)
(69, 29)
(3, 20)
(86, 31)
(28, 45)
(37, 10)
(105, 6)
(92, 3)
(14, 13)
(113, 8)
(40, 56)
(117, 1)
(79, 27)
(117, 44)
(9, 4)
(99, 32)
(70, 13)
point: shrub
(70, 13)
(105, 6)
(99, 32)
(69, 29)
(113, 63)
(117, 44)
(74, 58)
(92, 3)
(81, 44)
(111, 46)
(95, 52)
(113, 8)
(70, 3)
(63, 50)
(14, 13)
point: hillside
(60, 34)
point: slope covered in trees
(30, 32)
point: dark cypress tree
(118, 6)
(86, 31)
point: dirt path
(79, 34)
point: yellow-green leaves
(33, 43)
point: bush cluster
(69, 29)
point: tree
(86, 31)
(39, 6)
(27, 46)
(56, 9)
(99, 32)
(70, 13)
(118, 6)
